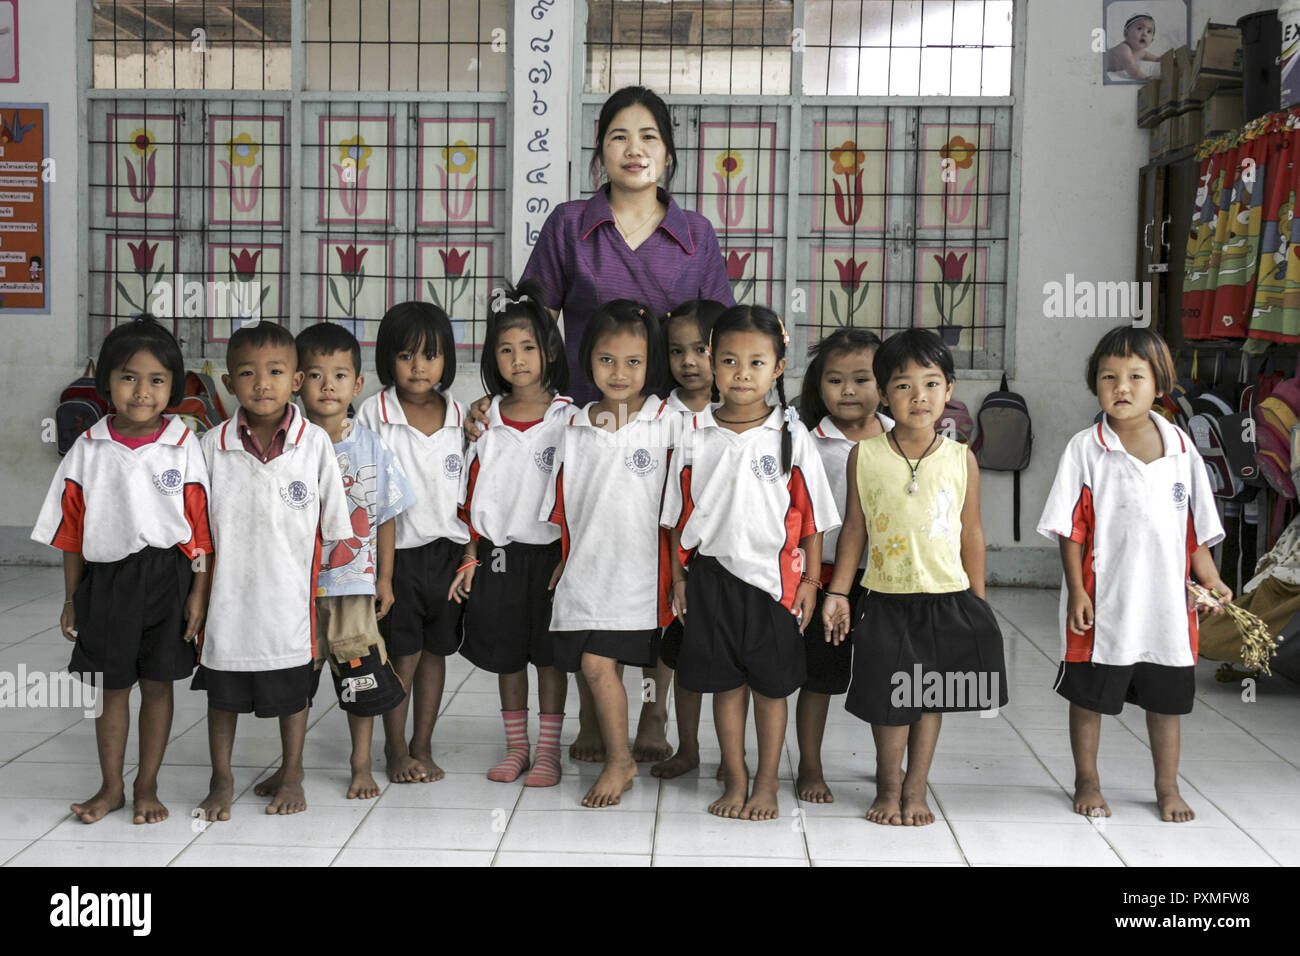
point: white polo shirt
(268, 520)
(833, 448)
(433, 464)
(1139, 524)
(729, 499)
(604, 497)
(507, 472)
(108, 501)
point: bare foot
(271, 785)
(651, 741)
(363, 785)
(887, 808)
(1173, 808)
(916, 812)
(676, 765)
(148, 808)
(588, 746)
(722, 772)
(811, 786)
(1088, 799)
(615, 780)
(762, 803)
(289, 798)
(403, 768)
(104, 802)
(732, 801)
(431, 770)
(216, 805)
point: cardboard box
(1172, 63)
(1187, 130)
(1161, 137)
(1222, 113)
(1216, 63)
(1149, 104)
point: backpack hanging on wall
(1006, 439)
(80, 406)
(956, 422)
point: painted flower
(960, 151)
(453, 262)
(952, 266)
(877, 558)
(143, 255)
(243, 150)
(459, 157)
(851, 273)
(729, 163)
(882, 522)
(848, 159)
(350, 259)
(355, 149)
(896, 546)
(142, 142)
(245, 263)
(736, 265)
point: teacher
(630, 240)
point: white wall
(1079, 164)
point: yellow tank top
(913, 541)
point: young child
(610, 599)
(923, 621)
(1126, 56)
(686, 335)
(355, 588)
(748, 496)
(512, 553)
(128, 509)
(838, 405)
(276, 493)
(417, 417)
(1134, 515)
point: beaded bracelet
(813, 581)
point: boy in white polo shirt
(276, 492)
(1134, 515)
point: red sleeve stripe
(196, 515)
(1193, 627)
(1083, 521)
(1079, 647)
(557, 513)
(800, 499)
(464, 509)
(72, 527)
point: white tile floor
(999, 787)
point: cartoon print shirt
(377, 491)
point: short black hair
(702, 312)
(911, 345)
(259, 336)
(758, 318)
(1125, 340)
(406, 327)
(143, 334)
(625, 315)
(637, 96)
(326, 338)
(524, 309)
(842, 341)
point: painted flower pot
(951, 335)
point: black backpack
(1006, 438)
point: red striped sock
(546, 762)
(516, 761)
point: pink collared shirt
(251, 445)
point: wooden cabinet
(1166, 202)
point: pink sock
(546, 762)
(516, 761)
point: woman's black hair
(326, 338)
(758, 318)
(524, 310)
(625, 315)
(408, 326)
(911, 345)
(144, 334)
(703, 312)
(636, 96)
(811, 407)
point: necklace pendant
(911, 487)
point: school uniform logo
(765, 468)
(451, 466)
(1180, 495)
(169, 482)
(641, 462)
(297, 495)
(545, 459)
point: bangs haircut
(410, 327)
(701, 313)
(326, 338)
(259, 336)
(911, 345)
(144, 334)
(625, 315)
(524, 310)
(840, 342)
(1124, 341)
(758, 318)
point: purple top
(582, 260)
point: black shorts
(829, 665)
(422, 619)
(638, 648)
(917, 654)
(508, 613)
(130, 620)
(735, 634)
(277, 693)
(670, 643)
(1106, 688)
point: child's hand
(805, 602)
(196, 609)
(68, 622)
(555, 577)
(477, 419)
(679, 600)
(1078, 614)
(384, 599)
(835, 618)
(1221, 591)
(460, 585)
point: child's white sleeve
(1068, 512)
(811, 493)
(61, 522)
(1206, 525)
(676, 493)
(335, 514)
(395, 492)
